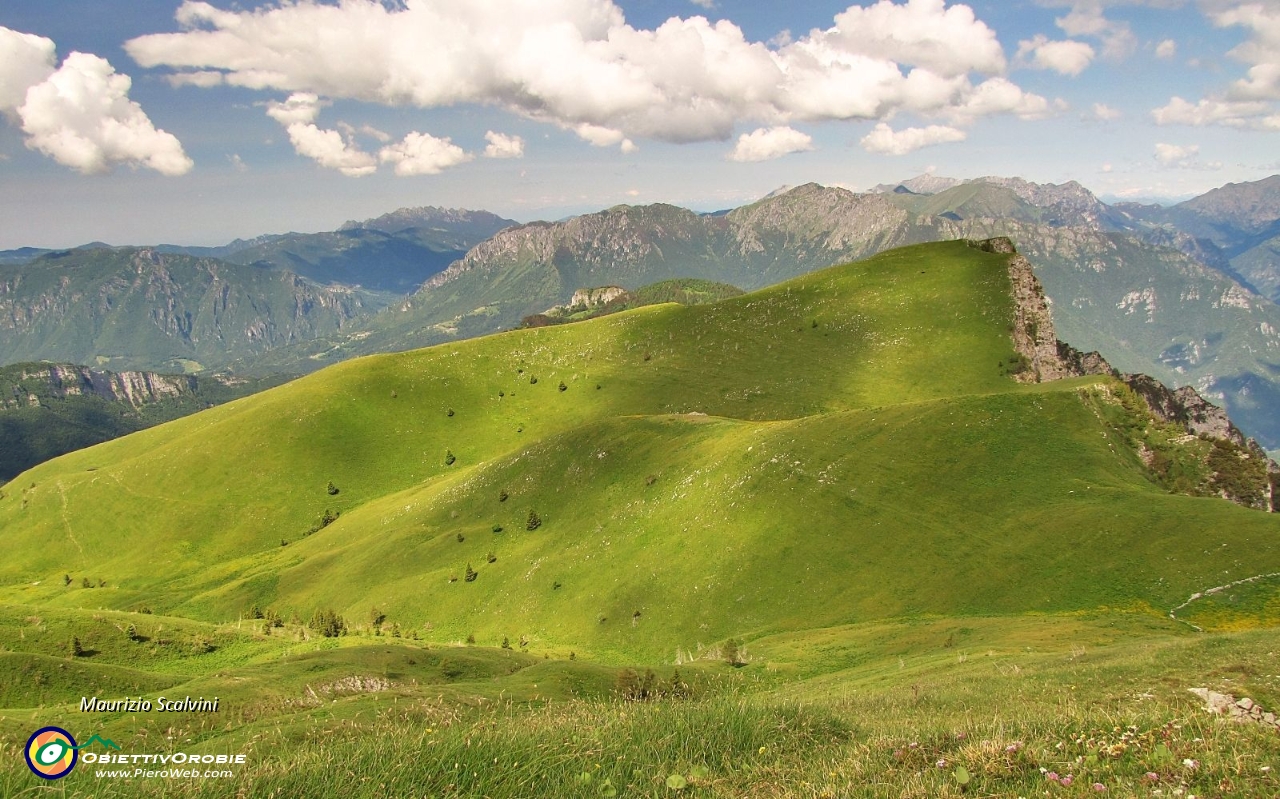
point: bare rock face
(1033, 334)
(132, 388)
(592, 298)
(1034, 337)
(1047, 358)
(1186, 407)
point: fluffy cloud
(1086, 19)
(766, 144)
(1173, 156)
(80, 114)
(1106, 113)
(1001, 96)
(1252, 101)
(300, 107)
(416, 154)
(1167, 49)
(25, 60)
(423, 154)
(578, 65)
(82, 117)
(503, 146)
(1254, 114)
(332, 149)
(924, 33)
(329, 149)
(1261, 52)
(1065, 57)
(886, 141)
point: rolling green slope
(839, 448)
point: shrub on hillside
(471, 574)
(534, 521)
(633, 687)
(448, 457)
(1238, 474)
(331, 489)
(328, 623)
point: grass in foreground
(998, 720)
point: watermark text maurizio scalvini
(138, 704)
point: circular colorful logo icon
(51, 752)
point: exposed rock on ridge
(1034, 337)
(1048, 358)
(133, 388)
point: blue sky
(254, 117)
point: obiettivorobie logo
(52, 752)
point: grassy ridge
(921, 561)
(835, 449)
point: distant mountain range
(1185, 293)
(138, 308)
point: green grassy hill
(842, 447)
(918, 559)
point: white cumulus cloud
(1064, 57)
(1255, 114)
(886, 141)
(1173, 156)
(501, 145)
(1252, 101)
(329, 149)
(1087, 19)
(300, 107)
(80, 114)
(25, 60)
(1167, 49)
(423, 154)
(1106, 113)
(578, 64)
(765, 144)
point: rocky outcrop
(1186, 407)
(1241, 710)
(594, 298)
(1046, 358)
(132, 388)
(1034, 338)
